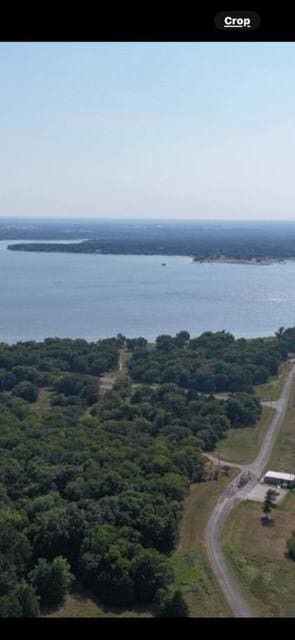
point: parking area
(258, 493)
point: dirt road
(232, 496)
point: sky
(147, 130)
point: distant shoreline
(250, 261)
(85, 247)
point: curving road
(232, 495)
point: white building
(280, 479)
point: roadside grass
(283, 453)
(257, 556)
(242, 445)
(193, 575)
(271, 390)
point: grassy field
(242, 445)
(283, 454)
(257, 556)
(192, 570)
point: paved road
(232, 496)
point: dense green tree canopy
(92, 481)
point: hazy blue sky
(201, 130)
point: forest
(92, 482)
(240, 241)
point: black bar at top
(185, 23)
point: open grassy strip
(125, 355)
(122, 368)
(242, 445)
(257, 556)
(42, 404)
(271, 390)
(193, 574)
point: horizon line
(161, 220)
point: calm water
(94, 296)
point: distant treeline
(235, 240)
(92, 484)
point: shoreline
(61, 246)
(252, 261)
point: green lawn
(190, 563)
(257, 556)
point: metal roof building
(279, 478)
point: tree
(242, 410)
(7, 380)
(10, 606)
(18, 599)
(123, 386)
(114, 584)
(268, 503)
(51, 580)
(26, 390)
(150, 572)
(182, 338)
(171, 604)
(225, 469)
(29, 601)
(105, 565)
(14, 545)
(78, 385)
(134, 343)
(280, 332)
(291, 546)
(165, 343)
(50, 533)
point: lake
(98, 296)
